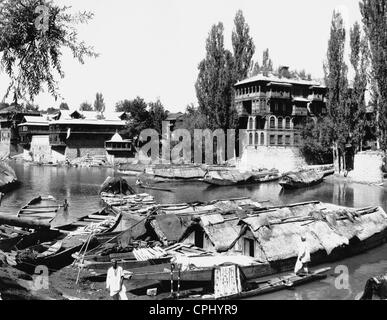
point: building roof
(275, 79)
(91, 115)
(116, 138)
(174, 116)
(90, 122)
(34, 121)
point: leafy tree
(99, 103)
(215, 81)
(64, 106)
(374, 14)
(52, 110)
(32, 43)
(243, 47)
(30, 107)
(360, 62)
(85, 106)
(157, 114)
(137, 108)
(316, 144)
(337, 84)
(267, 63)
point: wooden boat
(41, 208)
(233, 177)
(145, 186)
(301, 179)
(275, 284)
(162, 272)
(57, 254)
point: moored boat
(301, 179)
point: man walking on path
(303, 257)
(115, 282)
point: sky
(151, 48)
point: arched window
(287, 123)
(256, 138)
(280, 125)
(262, 138)
(272, 122)
(250, 139)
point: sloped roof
(272, 78)
(116, 138)
(174, 116)
(37, 121)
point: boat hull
(162, 273)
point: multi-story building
(10, 118)
(274, 110)
(69, 135)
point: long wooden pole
(23, 222)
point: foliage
(316, 145)
(157, 114)
(137, 108)
(360, 62)
(99, 103)
(85, 106)
(243, 47)
(374, 14)
(64, 106)
(337, 84)
(31, 57)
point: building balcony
(299, 111)
(249, 96)
(278, 95)
(259, 111)
(316, 97)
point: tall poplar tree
(374, 13)
(360, 62)
(215, 81)
(337, 98)
(243, 47)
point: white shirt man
(115, 282)
(303, 256)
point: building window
(287, 140)
(272, 140)
(272, 122)
(256, 138)
(280, 140)
(280, 125)
(250, 139)
(287, 123)
(248, 247)
(262, 139)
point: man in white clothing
(303, 257)
(115, 282)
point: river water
(81, 185)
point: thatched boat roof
(229, 175)
(116, 185)
(325, 226)
(306, 176)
